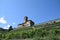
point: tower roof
(25, 17)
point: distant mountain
(57, 20)
(51, 21)
(3, 30)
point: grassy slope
(40, 32)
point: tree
(10, 28)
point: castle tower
(25, 19)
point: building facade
(26, 22)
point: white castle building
(26, 22)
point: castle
(26, 23)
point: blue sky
(12, 12)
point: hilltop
(45, 31)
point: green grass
(40, 32)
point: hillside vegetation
(47, 31)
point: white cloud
(7, 27)
(2, 20)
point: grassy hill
(46, 31)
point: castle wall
(26, 23)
